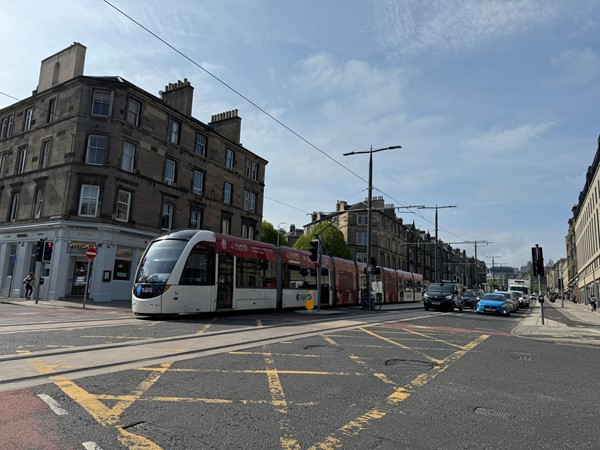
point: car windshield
(468, 294)
(445, 288)
(495, 297)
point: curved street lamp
(278, 233)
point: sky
(493, 102)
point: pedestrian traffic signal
(48, 246)
(314, 250)
(39, 250)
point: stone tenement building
(398, 245)
(95, 161)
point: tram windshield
(159, 260)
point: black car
(444, 295)
(470, 298)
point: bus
(198, 271)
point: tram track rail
(23, 369)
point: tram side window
(298, 277)
(255, 273)
(199, 268)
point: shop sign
(79, 247)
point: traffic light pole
(542, 302)
(319, 258)
(38, 273)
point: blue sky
(494, 102)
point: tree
(269, 234)
(331, 238)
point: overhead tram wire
(179, 52)
(258, 107)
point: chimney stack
(228, 123)
(179, 96)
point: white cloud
(411, 26)
(579, 67)
(503, 141)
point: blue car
(494, 304)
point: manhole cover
(323, 347)
(493, 413)
(412, 363)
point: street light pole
(435, 260)
(279, 228)
(370, 267)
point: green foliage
(269, 234)
(332, 239)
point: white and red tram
(194, 271)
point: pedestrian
(29, 281)
(593, 302)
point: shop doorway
(80, 277)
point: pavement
(563, 322)
(69, 303)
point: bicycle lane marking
(356, 426)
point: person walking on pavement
(29, 281)
(593, 302)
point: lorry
(523, 286)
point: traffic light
(314, 250)
(48, 246)
(537, 261)
(39, 250)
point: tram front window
(159, 260)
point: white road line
(53, 404)
(91, 446)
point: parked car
(494, 303)
(470, 298)
(443, 296)
(510, 298)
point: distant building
(98, 162)
(293, 235)
(397, 245)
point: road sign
(91, 252)
(310, 303)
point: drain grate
(493, 413)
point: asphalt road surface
(381, 380)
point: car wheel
(427, 308)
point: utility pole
(435, 260)
(485, 243)
(493, 275)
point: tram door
(225, 281)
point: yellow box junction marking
(106, 416)
(279, 401)
(354, 427)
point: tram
(197, 271)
